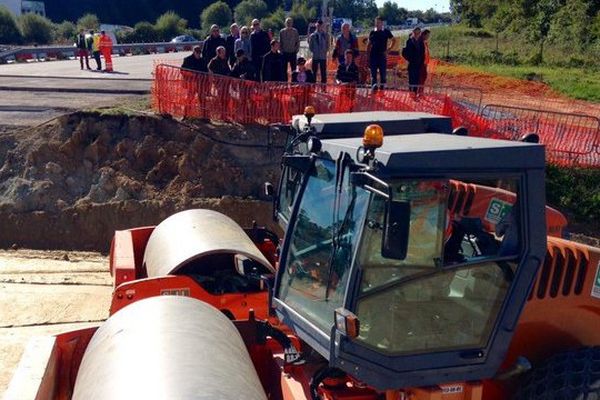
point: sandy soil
(47, 292)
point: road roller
(413, 266)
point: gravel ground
(47, 292)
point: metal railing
(570, 137)
(61, 52)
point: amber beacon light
(373, 137)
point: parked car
(183, 39)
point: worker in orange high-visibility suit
(106, 50)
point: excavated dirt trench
(70, 183)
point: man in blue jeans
(318, 44)
(377, 51)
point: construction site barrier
(570, 139)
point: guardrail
(64, 52)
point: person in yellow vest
(106, 49)
(96, 49)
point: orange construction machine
(415, 266)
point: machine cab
(409, 258)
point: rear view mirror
(396, 230)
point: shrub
(247, 10)
(65, 31)
(275, 21)
(36, 29)
(88, 21)
(170, 25)
(576, 190)
(144, 32)
(9, 30)
(217, 13)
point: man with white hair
(346, 41)
(290, 45)
(234, 34)
(260, 43)
(212, 41)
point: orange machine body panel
(471, 200)
(132, 284)
(233, 304)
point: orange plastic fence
(569, 139)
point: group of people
(254, 54)
(416, 53)
(95, 44)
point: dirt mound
(496, 89)
(70, 183)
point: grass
(575, 74)
(130, 106)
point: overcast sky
(439, 5)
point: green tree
(169, 25)
(539, 26)
(65, 31)
(247, 10)
(500, 22)
(217, 13)
(393, 14)
(9, 30)
(474, 12)
(36, 29)
(357, 10)
(570, 26)
(302, 14)
(431, 16)
(275, 20)
(88, 21)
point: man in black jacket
(347, 72)
(234, 34)
(260, 43)
(192, 81)
(214, 40)
(272, 68)
(243, 69)
(219, 65)
(414, 53)
(195, 61)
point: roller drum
(167, 347)
(192, 234)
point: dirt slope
(70, 183)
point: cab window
(290, 183)
(321, 246)
(448, 291)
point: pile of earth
(70, 183)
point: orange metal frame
(132, 284)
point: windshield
(447, 292)
(321, 245)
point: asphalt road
(34, 92)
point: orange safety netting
(569, 139)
